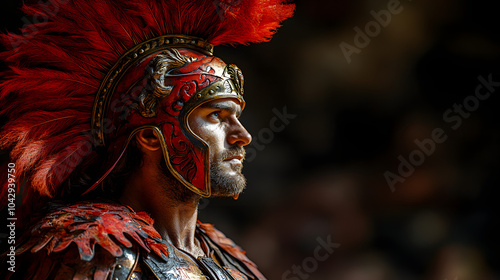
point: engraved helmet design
(174, 82)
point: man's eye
(214, 115)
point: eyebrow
(221, 106)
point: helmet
(180, 76)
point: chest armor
(180, 265)
(108, 241)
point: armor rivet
(116, 278)
(199, 95)
(119, 266)
(135, 55)
(212, 91)
(141, 51)
(167, 41)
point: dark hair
(112, 186)
(115, 182)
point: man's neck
(175, 220)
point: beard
(223, 183)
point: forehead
(231, 104)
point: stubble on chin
(222, 183)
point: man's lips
(234, 158)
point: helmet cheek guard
(159, 92)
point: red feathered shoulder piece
(64, 242)
(86, 224)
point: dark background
(322, 176)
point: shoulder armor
(87, 224)
(230, 247)
(118, 231)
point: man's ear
(147, 139)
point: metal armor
(105, 240)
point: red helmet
(180, 76)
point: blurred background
(337, 104)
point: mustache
(233, 152)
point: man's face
(217, 123)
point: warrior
(119, 119)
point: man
(119, 120)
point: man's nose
(238, 135)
